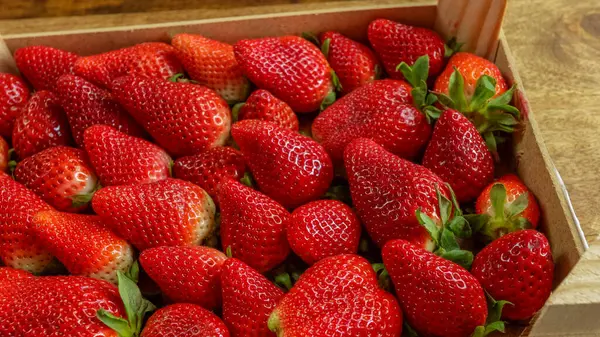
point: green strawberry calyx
(383, 277)
(284, 281)
(81, 200)
(493, 322)
(274, 323)
(417, 75)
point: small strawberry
(321, 229)
(184, 319)
(183, 118)
(42, 65)
(8, 274)
(252, 226)
(262, 105)
(337, 296)
(13, 97)
(121, 159)
(288, 167)
(186, 274)
(4, 155)
(41, 124)
(62, 176)
(290, 67)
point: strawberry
(262, 105)
(121, 159)
(288, 167)
(321, 229)
(8, 274)
(395, 43)
(290, 67)
(4, 155)
(458, 154)
(41, 124)
(248, 300)
(212, 63)
(86, 104)
(208, 169)
(13, 97)
(169, 212)
(252, 226)
(184, 319)
(186, 274)
(183, 118)
(62, 176)
(83, 244)
(338, 296)
(42, 65)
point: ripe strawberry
(209, 168)
(169, 212)
(321, 229)
(354, 63)
(183, 118)
(186, 274)
(290, 67)
(338, 296)
(184, 320)
(41, 124)
(288, 167)
(252, 226)
(13, 97)
(85, 105)
(4, 155)
(83, 244)
(42, 65)
(8, 274)
(264, 106)
(248, 300)
(62, 176)
(212, 63)
(120, 159)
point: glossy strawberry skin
(253, 226)
(290, 67)
(4, 155)
(183, 118)
(8, 274)
(262, 105)
(13, 97)
(288, 167)
(41, 124)
(437, 296)
(42, 65)
(382, 111)
(338, 296)
(184, 319)
(186, 274)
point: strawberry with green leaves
(262, 105)
(184, 319)
(43, 65)
(14, 94)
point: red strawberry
(395, 43)
(212, 63)
(186, 274)
(60, 175)
(85, 105)
(83, 244)
(338, 296)
(4, 155)
(13, 97)
(120, 159)
(321, 229)
(208, 169)
(353, 63)
(252, 226)
(288, 167)
(290, 67)
(248, 300)
(169, 212)
(8, 274)
(184, 320)
(41, 124)
(42, 65)
(183, 118)
(264, 106)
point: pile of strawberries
(376, 216)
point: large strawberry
(42, 65)
(338, 296)
(186, 274)
(169, 212)
(290, 67)
(252, 226)
(13, 97)
(288, 167)
(184, 319)
(4, 155)
(183, 118)
(248, 300)
(262, 105)
(121, 159)
(60, 175)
